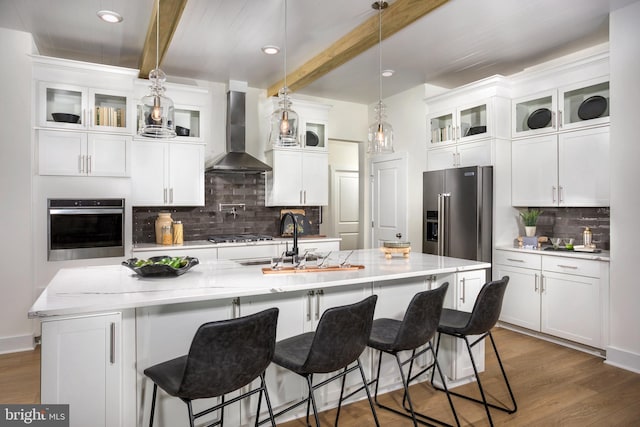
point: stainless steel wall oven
(85, 228)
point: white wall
(15, 191)
(624, 348)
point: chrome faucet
(294, 251)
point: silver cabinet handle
(560, 193)
(112, 343)
(559, 119)
(305, 196)
(535, 283)
(463, 290)
(165, 194)
(542, 278)
(454, 158)
(553, 193)
(235, 308)
(573, 267)
(309, 297)
(318, 293)
(554, 124)
(300, 196)
(514, 260)
(171, 195)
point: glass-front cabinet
(313, 134)
(66, 106)
(463, 124)
(580, 105)
(187, 122)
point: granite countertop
(596, 256)
(104, 288)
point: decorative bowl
(180, 131)
(160, 270)
(65, 117)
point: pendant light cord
(157, 34)
(285, 45)
(380, 48)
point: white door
(186, 174)
(345, 207)
(389, 198)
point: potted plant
(530, 219)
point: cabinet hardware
(559, 119)
(560, 193)
(573, 267)
(318, 293)
(305, 197)
(309, 296)
(112, 343)
(463, 290)
(454, 158)
(235, 308)
(165, 194)
(542, 279)
(514, 260)
(81, 164)
(89, 164)
(535, 283)
(91, 117)
(554, 124)
(171, 195)
(553, 194)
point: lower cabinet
(82, 366)
(560, 296)
(167, 173)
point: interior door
(389, 198)
(346, 206)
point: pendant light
(157, 109)
(380, 133)
(284, 121)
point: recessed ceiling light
(109, 16)
(387, 73)
(270, 49)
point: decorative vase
(530, 231)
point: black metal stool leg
(313, 403)
(153, 404)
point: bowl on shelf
(65, 117)
(180, 131)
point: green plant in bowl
(530, 217)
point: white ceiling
(219, 40)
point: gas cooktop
(235, 238)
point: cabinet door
(584, 104)
(475, 154)
(61, 98)
(530, 110)
(284, 182)
(186, 174)
(108, 155)
(442, 158)
(583, 167)
(534, 173)
(521, 304)
(571, 308)
(81, 366)
(108, 110)
(148, 175)
(62, 153)
(442, 128)
(315, 179)
(473, 122)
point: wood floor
(554, 386)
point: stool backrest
(487, 307)
(420, 321)
(229, 354)
(341, 336)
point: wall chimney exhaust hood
(236, 159)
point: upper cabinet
(313, 126)
(187, 122)
(566, 108)
(464, 124)
(65, 106)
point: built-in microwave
(85, 228)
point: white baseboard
(623, 359)
(15, 344)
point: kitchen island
(102, 326)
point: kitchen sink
(263, 261)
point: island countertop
(104, 288)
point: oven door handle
(84, 211)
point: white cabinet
(83, 154)
(67, 106)
(82, 367)
(300, 177)
(567, 169)
(560, 296)
(567, 108)
(479, 153)
(167, 173)
(314, 125)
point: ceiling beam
(170, 14)
(398, 15)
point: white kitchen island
(102, 326)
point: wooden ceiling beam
(170, 14)
(395, 17)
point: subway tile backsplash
(203, 221)
(570, 222)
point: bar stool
(415, 330)
(339, 339)
(224, 356)
(483, 317)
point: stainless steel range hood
(237, 159)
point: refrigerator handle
(440, 224)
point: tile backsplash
(570, 222)
(202, 221)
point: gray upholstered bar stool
(224, 356)
(483, 317)
(414, 332)
(339, 339)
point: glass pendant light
(157, 109)
(284, 121)
(380, 136)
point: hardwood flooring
(553, 385)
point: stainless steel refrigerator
(458, 212)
